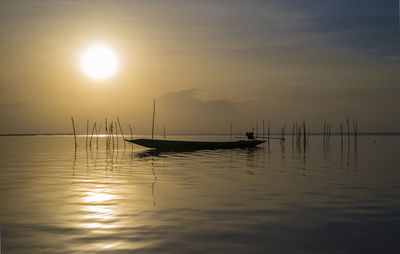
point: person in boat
(250, 135)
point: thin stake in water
(91, 136)
(154, 112)
(122, 133)
(230, 137)
(87, 131)
(130, 129)
(73, 127)
(98, 130)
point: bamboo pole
(304, 134)
(122, 133)
(91, 136)
(299, 134)
(341, 134)
(294, 125)
(328, 132)
(341, 129)
(284, 132)
(73, 127)
(87, 131)
(112, 133)
(230, 134)
(130, 129)
(109, 135)
(263, 129)
(116, 133)
(356, 128)
(106, 131)
(97, 135)
(152, 127)
(256, 129)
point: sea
(336, 195)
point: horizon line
(365, 133)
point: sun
(99, 62)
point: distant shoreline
(36, 134)
(372, 133)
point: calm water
(273, 199)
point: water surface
(274, 199)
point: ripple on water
(272, 199)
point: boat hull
(175, 145)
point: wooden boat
(176, 145)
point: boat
(177, 145)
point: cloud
(184, 110)
(368, 29)
(356, 93)
(393, 58)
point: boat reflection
(165, 153)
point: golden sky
(207, 63)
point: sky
(208, 64)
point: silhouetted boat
(175, 145)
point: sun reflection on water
(97, 197)
(99, 210)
